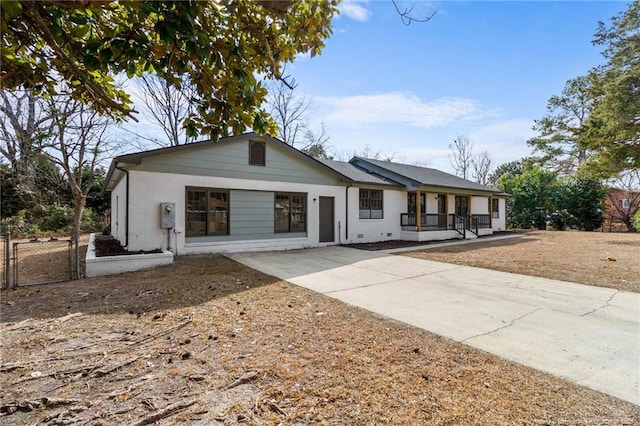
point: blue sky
(480, 69)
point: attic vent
(257, 152)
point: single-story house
(251, 192)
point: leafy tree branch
(221, 47)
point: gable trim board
(185, 159)
(253, 203)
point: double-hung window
(290, 212)
(371, 204)
(207, 212)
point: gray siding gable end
(229, 158)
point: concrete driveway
(588, 335)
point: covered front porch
(442, 215)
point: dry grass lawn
(593, 258)
(209, 341)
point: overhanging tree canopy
(221, 45)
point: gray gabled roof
(422, 175)
(353, 173)
(136, 158)
(357, 170)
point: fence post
(71, 259)
(7, 260)
(15, 266)
(77, 253)
(74, 260)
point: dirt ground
(592, 258)
(209, 341)
(42, 261)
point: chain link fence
(35, 261)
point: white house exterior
(251, 193)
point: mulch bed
(109, 246)
(386, 245)
(393, 244)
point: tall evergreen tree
(613, 129)
(560, 129)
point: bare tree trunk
(77, 147)
(24, 122)
(461, 156)
(169, 106)
(79, 201)
(290, 111)
(629, 224)
(482, 164)
(624, 197)
(317, 143)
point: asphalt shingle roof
(353, 173)
(428, 176)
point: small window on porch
(442, 204)
(411, 203)
(495, 208)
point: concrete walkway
(588, 335)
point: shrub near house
(540, 196)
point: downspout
(346, 213)
(126, 211)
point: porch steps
(470, 235)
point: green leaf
(221, 45)
(10, 9)
(80, 31)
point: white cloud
(424, 156)
(513, 130)
(397, 108)
(354, 10)
(302, 56)
(504, 140)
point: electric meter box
(168, 215)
